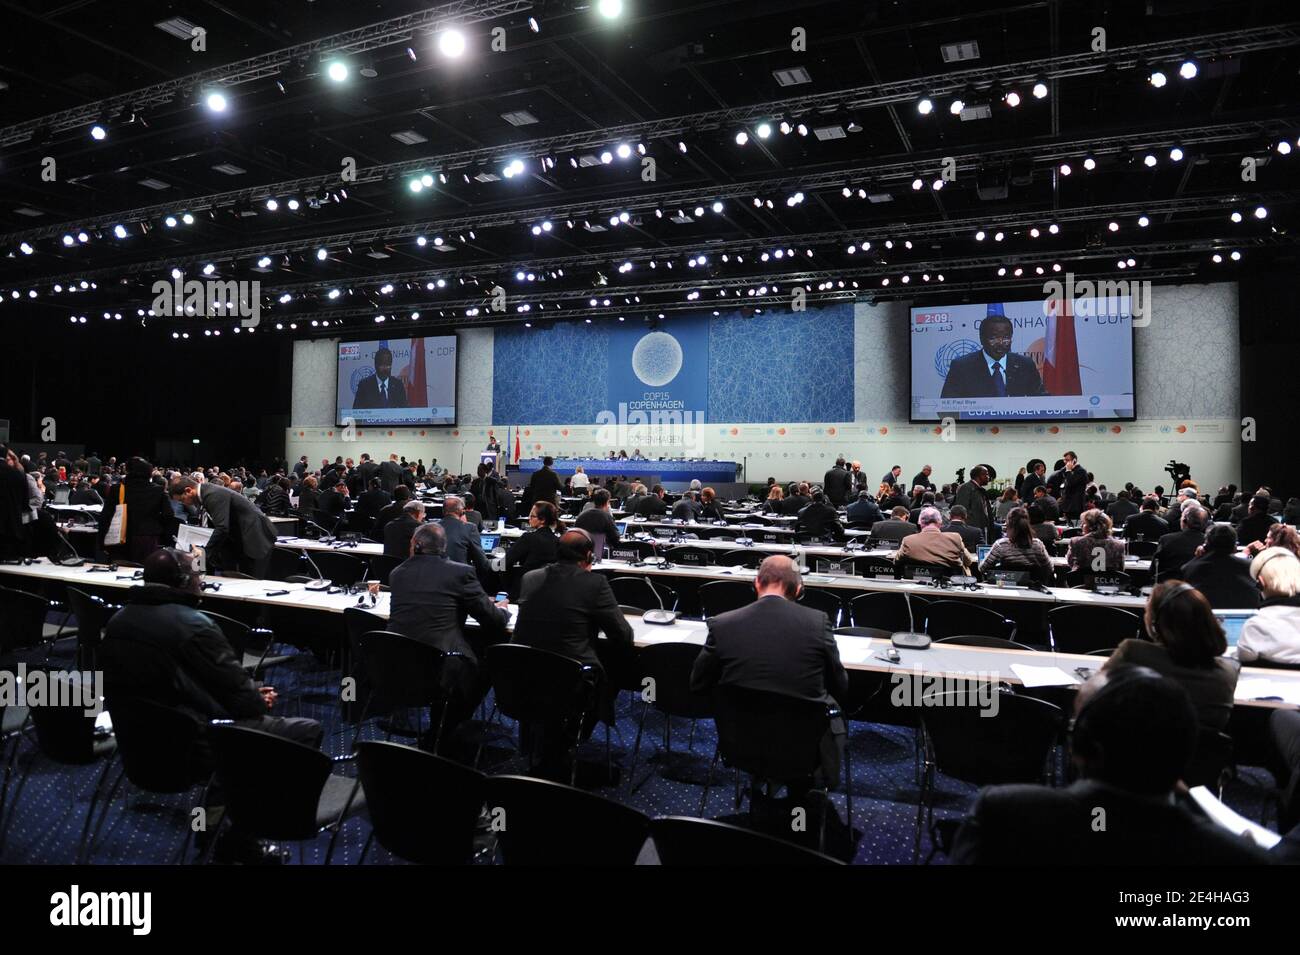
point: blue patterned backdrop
(782, 366)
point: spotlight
(610, 9)
(427, 181)
(937, 185)
(717, 207)
(272, 205)
(742, 137)
(333, 294)
(1089, 163)
(337, 71)
(1157, 79)
(918, 183)
(1261, 212)
(1216, 258)
(451, 43)
(119, 231)
(209, 269)
(293, 205)
(1113, 226)
(83, 237)
(98, 133)
(1235, 256)
(1176, 154)
(217, 102)
(623, 150)
(264, 262)
(999, 236)
(1065, 169)
(1236, 216)
(979, 236)
(1034, 233)
(785, 128)
(1012, 99)
(1149, 160)
(956, 106)
(606, 157)
(69, 240)
(1284, 148)
(322, 254)
(416, 185)
(26, 248)
(1188, 70)
(764, 130)
(681, 146)
(1040, 90)
(534, 25)
(1143, 221)
(801, 129)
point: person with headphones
(160, 647)
(1187, 646)
(1132, 738)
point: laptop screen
(489, 542)
(622, 528)
(982, 551)
(1233, 621)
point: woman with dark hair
(274, 500)
(537, 547)
(1094, 542)
(1279, 535)
(1187, 645)
(150, 522)
(1018, 549)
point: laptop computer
(982, 551)
(489, 542)
(1233, 621)
(622, 527)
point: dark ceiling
(679, 80)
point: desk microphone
(909, 639)
(320, 583)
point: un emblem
(359, 375)
(947, 354)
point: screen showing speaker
(1038, 360)
(401, 381)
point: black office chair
(13, 719)
(871, 565)
(1081, 628)
(1143, 550)
(963, 741)
(953, 618)
(689, 556)
(408, 674)
(742, 558)
(548, 823)
(252, 645)
(636, 592)
(276, 788)
(918, 570)
(774, 739)
(538, 687)
(64, 734)
(719, 596)
(93, 614)
(422, 807)
(665, 674)
(977, 640)
(381, 567)
(160, 750)
(889, 611)
(286, 563)
(1212, 761)
(825, 601)
(687, 841)
(22, 620)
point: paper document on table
(1234, 823)
(1042, 676)
(854, 649)
(1262, 688)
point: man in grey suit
(242, 537)
(463, 545)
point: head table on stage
(707, 472)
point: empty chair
(92, 615)
(1082, 628)
(22, 620)
(977, 640)
(422, 807)
(1211, 761)
(689, 556)
(668, 668)
(889, 612)
(825, 601)
(963, 741)
(952, 618)
(548, 823)
(252, 645)
(687, 841)
(636, 592)
(382, 566)
(1144, 550)
(408, 674)
(719, 596)
(286, 563)
(742, 557)
(277, 788)
(541, 688)
(339, 567)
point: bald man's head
(778, 575)
(576, 547)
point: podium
(489, 458)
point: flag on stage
(1061, 352)
(518, 449)
(413, 377)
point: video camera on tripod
(1179, 473)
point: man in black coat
(652, 505)
(837, 483)
(431, 595)
(1179, 547)
(463, 545)
(1146, 524)
(399, 531)
(1073, 482)
(971, 537)
(597, 519)
(392, 511)
(1036, 477)
(1134, 734)
(778, 646)
(922, 478)
(367, 470)
(864, 510)
(331, 509)
(242, 537)
(1050, 507)
(1258, 521)
(971, 496)
(370, 502)
(818, 519)
(1219, 574)
(895, 528)
(994, 371)
(390, 474)
(381, 390)
(1121, 509)
(545, 484)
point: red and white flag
(1061, 352)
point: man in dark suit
(332, 508)
(971, 496)
(687, 508)
(463, 544)
(562, 607)
(892, 475)
(597, 519)
(431, 597)
(864, 510)
(1134, 734)
(777, 646)
(837, 483)
(994, 371)
(545, 484)
(895, 528)
(922, 479)
(971, 537)
(1073, 482)
(367, 470)
(1121, 509)
(798, 498)
(1219, 574)
(399, 531)
(242, 537)
(372, 501)
(300, 468)
(818, 519)
(1179, 547)
(390, 474)
(1146, 524)
(392, 511)
(381, 390)
(652, 505)
(1258, 521)
(1037, 477)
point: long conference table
(1256, 687)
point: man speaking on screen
(994, 371)
(381, 390)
